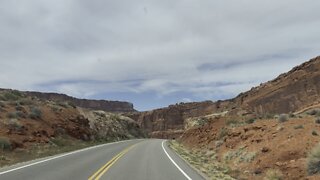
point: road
(149, 159)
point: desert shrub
(314, 112)
(55, 108)
(5, 144)
(250, 121)
(314, 133)
(25, 101)
(231, 122)
(14, 124)
(317, 121)
(283, 118)
(12, 115)
(222, 133)
(218, 144)
(240, 156)
(19, 108)
(60, 141)
(273, 174)
(291, 115)
(15, 115)
(63, 104)
(2, 104)
(247, 157)
(298, 127)
(269, 116)
(313, 161)
(72, 104)
(35, 113)
(11, 96)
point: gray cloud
(206, 48)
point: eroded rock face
(290, 92)
(169, 122)
(110, 106)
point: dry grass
(56, 146)
(204, 161)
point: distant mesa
(105, 105)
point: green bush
(283, 118)
(35, 113)
(5, 144)
(313, 161)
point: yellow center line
(106, 167)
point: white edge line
(59, 156)
(185, 174)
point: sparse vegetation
(72, 104)
(5, 143)
(63, 104)
(11, 96)
(250, 121)
(240, 155)
(14, 124)
(25, 101)
(2, 104)
(12, 115)
(269, 116)
(314, 112)
(204, 161)
(314, 133)
(19, 108)
(231, 122)
(317, 121)
(283, 118)
(298, 127)
(35, 113)
(313, 161)
(222, 133)
(291, 115)
(273, 174)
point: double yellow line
(106, 167)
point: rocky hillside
(109, 126)
(109, 106)
(26, 121)
(249, 137)
(294, 91)
(290, 92)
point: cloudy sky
(153, 52)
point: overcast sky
(153, 52)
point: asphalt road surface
(127, 160)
